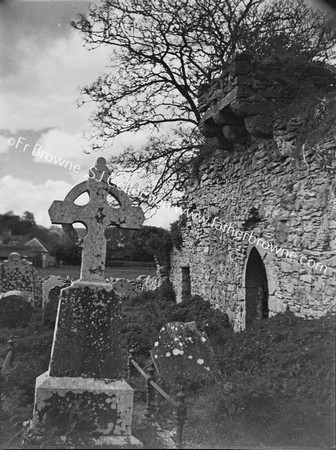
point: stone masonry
(266, 176)
(88, 357)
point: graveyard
(196, 312)
(73, 352)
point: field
(130, 272)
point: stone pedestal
(84, 384)
(105, 405)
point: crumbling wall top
(243, 101)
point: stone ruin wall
(258, 162)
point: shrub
(207, 318)
(147, 313)
(280, 373)
(144, 316)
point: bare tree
(163, 50)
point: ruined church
(269, 172)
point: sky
(43, 65)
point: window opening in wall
(256, 289)
(186, 283)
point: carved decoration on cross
(97, 216)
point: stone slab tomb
(19, 274)
(88, 360)
(183, 354)
(51, 289)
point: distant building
(33, 250)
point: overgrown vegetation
(276, 389)
(176, 231)
(145, 315)
(312, 114)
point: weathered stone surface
(183, 354)
(88, 360)
(123, 288)
(252, 89)
(252, 106)
(141, 283)
(209, 128)
(48, 283)
(235, 133)
(97, 216)
(15, 309)
(51, 301)
(106, 405)
(240, 67)
(88, 341)
(19, 274)
(296, 206)
(259, 126)
(21, 294)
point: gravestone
(19, 274)
(183, 354)
(123, 288)
(15, 309)
(49, 283)
(51, 289)
(87, 360)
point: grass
(130, 272)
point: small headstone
(19, 274)
(123, 287)
(16, 311)
(183, 354)
(51, 295)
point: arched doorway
(256, 288)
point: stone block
(252, 106)
(240, 67)
(235, 133)
(208, 127)
(259, 126)
(237, 92)
(88, 341)
(106, 405)
(123, 288)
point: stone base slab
(118, 442)
(99, 405)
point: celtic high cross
(97, 216)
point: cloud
(22, 195)
(36, 21)
(68, 146)
(43, 91)
(3, 145)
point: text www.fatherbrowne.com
(228, 228)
